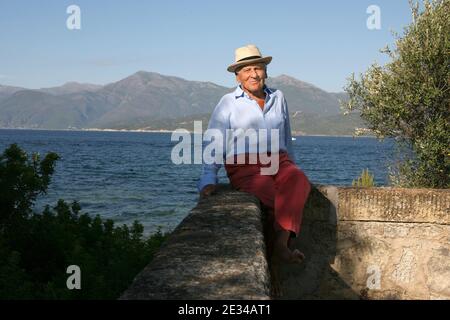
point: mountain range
(151, 101)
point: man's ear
(265, 74)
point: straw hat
(248, 55)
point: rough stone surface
(394, 205)
(217, 252)
(360, 243)
(387, 244)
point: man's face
(252, 77)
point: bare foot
(284, 253)
(289, 256)
(297, 256)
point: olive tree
(408, 98)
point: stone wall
(217, 252)
(360, 243)
(375, 243)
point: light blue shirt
(236, 110)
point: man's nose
(254, 74)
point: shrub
(36, 249)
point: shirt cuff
(205, 180)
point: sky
(321, 42)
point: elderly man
(253, 105)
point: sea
(128, 176)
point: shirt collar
(239, 93)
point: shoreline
(171, 131)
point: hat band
(249, 58)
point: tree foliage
(36, 249)
(409, 97)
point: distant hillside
(305, 97)
(71, 87)
(148, 100)
(7, 91)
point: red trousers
(285, 192)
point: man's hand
(208, 190)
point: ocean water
(129, 176)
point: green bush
(409, 98)
(364, 180)
(36, 249)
